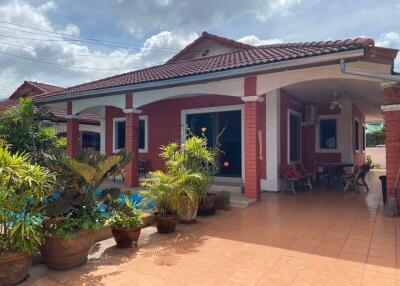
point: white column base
(272, 185)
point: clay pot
(14, 268)
(207, 205)
(190, 211)
(125, 238)
(61, 253)
(165, 224)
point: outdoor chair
(307, 175)
(357, 178)
(143, 168)
(292, 177)
(120, 174)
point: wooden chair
(292, 176)
(352, 180)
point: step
(240, 201)
(232, 188)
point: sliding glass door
(223, 130)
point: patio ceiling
(367, 94)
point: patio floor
(326, 237)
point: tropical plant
(79, 202)
(22, 129)
(126, 215)
(370, 163)
(187, 176)
(23, 188)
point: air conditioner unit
(310, 113)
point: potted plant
(78, 207)
(125, 222)
(191, 163)
(177, 191)
(161, 191)
(23, 187)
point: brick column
(132, 143)
(251, 144)
(73, 136)
(392, 122)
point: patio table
(335, 172)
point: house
(88, 125)
(277, 104)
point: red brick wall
(164, 119)
(392, 121)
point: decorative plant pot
(125, 238)
(165, 224)
(207, 205)
(61, 253)
(190, 211)
(14, 267)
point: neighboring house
(88, 124)
(277, 104)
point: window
(119, 134)
(294, 131)
(327, 134)
(356, 135)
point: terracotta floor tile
(326, 237)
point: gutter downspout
(345, 70)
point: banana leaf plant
(79, 201)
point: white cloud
(256, 41)
(139, 17)
(155, 50)
(390, 40)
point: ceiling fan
(335, 103)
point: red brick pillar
(251, 143)
(392, 122)
(73, 136)
(132, 143)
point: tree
(22, 129)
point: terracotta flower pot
(61, 253)
(207, 205)
(165, 224)
(14, 267)
(190, 211)
(125, 238)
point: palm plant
(23, 187)
(187, 176)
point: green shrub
(23, 189)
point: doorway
(223, 129)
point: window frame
(298, 114)
(356, 135)
(144, 118)
(318, 148)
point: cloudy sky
(67, 42)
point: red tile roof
(45, 87)
(233, 60)
(205, 36)
(7, 104)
